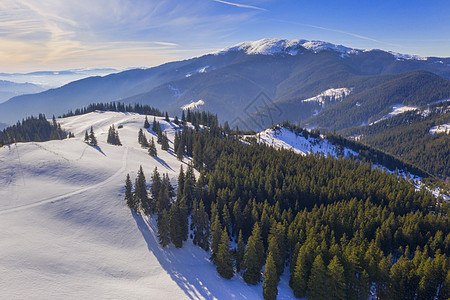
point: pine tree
(176, 234)
(146, 123)
(183, 213)
(142, 139)
(198, 155)
(299, 280)
(163, 228)
(162, 201)
(240, 252)
(176, 121)
(154, 128)
(152, 148)
(336, 279)
(129, 193)
(180, 150)
(224, 259)
(92, 138)
(180, 184)
(155, 187)
(200, 225)
(113, 136)
(270, 290)
(189, 186)
(165, 142)
(159, 133)
(273, 248)
(226, 218)
(86, 137)
(166, 118)
(317, 284)
(216, 232)
(253, 257)
(140, 192)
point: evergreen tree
(318, 281)
(184, 219)
(240, 252)
(216, 232)
(86, 137)
(142, 139)
(200, 225)
(163, 228)
(166, 118)
(270, 290)
(152, 148)
(146, 123)
(113, 136)
(159, 133)
(224, 259)
(336, 279)
(140, 192)
(162, 201)
(175, 230)
(226, 218)
(165, 142)
(129, 193)
(189, 186)
(92, 138)
(176, 121)
(180, 151)
(180, 188)
(301, 272)
(155, 187)
(253, 257)
(273, 248)
(154, 126)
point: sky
(38, 35)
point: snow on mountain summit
(268, 46)
(274, 46)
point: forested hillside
(339, 226)
(408, 136)
(33, 129)
(413, 88)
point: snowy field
(396, 110)
(286, 139)
(444, 128)
(68, 234)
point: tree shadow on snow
(189, 267)
(98, 149)
(163, 163)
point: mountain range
(255, 84)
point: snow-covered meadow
(67, 232)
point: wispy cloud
(241, 5)
(350, 34)
(337, 31)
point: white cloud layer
(45, 34)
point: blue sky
(57, 34)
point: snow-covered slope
(280, 137)
(193, 105)
(68, 234)
(396, 110)
(444, 128)
(331, 95)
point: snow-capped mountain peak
(269, 46)
(276, 46)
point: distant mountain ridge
(228, 83)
